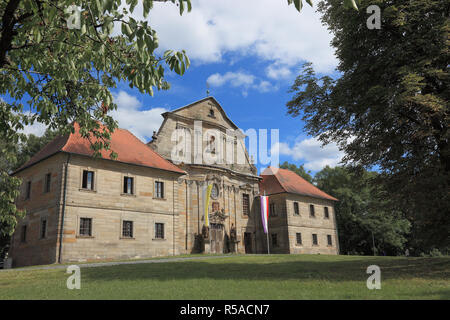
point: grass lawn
(242, 277)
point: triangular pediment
(207, 109)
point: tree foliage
(63, 74)
(30, 145)
(390, 106)
(300, 170)
(363, 212)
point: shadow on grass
(268, 268)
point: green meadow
(286, 277)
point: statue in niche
(205, 232)
(233, 232)
(211, 146)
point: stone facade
(234, 179)
(68, 208)
(34, 247)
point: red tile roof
(276, 180)
(128, 148)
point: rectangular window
(314, 238)
(88, 180)
(298, 236)
(43, 228)
(23, 235)
(86, 227)
(48, 178)
(312, 213)
(326, 214)
(245, 204)
(159, 189)
(28, 191)
(330, 243)
(128, 185)
(274, 240)
(272, 210)
(127, 229)
(296, 209)
(159, 230)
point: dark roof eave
(303, 194)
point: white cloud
(265, 86)
(242, 80)
(141, 123)
(276, 71)
(37, 128)
(311, 151)
(269, 29)
(235, 79)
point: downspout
(187, 215)
(198, 209)
(337, 232)
(254, 220)
(63, 211)
(173, 211)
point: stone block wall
(39, 248)
(108, 207)
(308, 225)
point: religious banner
(206, 197)
(265, 212)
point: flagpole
(267, 234)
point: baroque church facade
(150, 201)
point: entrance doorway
(248, 242)
(217, 237)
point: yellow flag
(206, 196)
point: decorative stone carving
(218, 216)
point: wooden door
(217, 237)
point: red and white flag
(265, 213)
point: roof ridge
(301, 186)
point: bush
(435, 253)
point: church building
(151, 200)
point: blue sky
(249, 52)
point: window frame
(43, 231)
(312, 211)
(125, 178)
(297, 234)
(272, 209)
(91, 227)
(47, 182)
(326, 213)
(23, 233)
(329, 240)
(93, 182)
(28, 190)
(157, 194)
(296, 209)
(131, 230)
(245, 207)
(274, 243)
(158, 232)
(315, 239)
